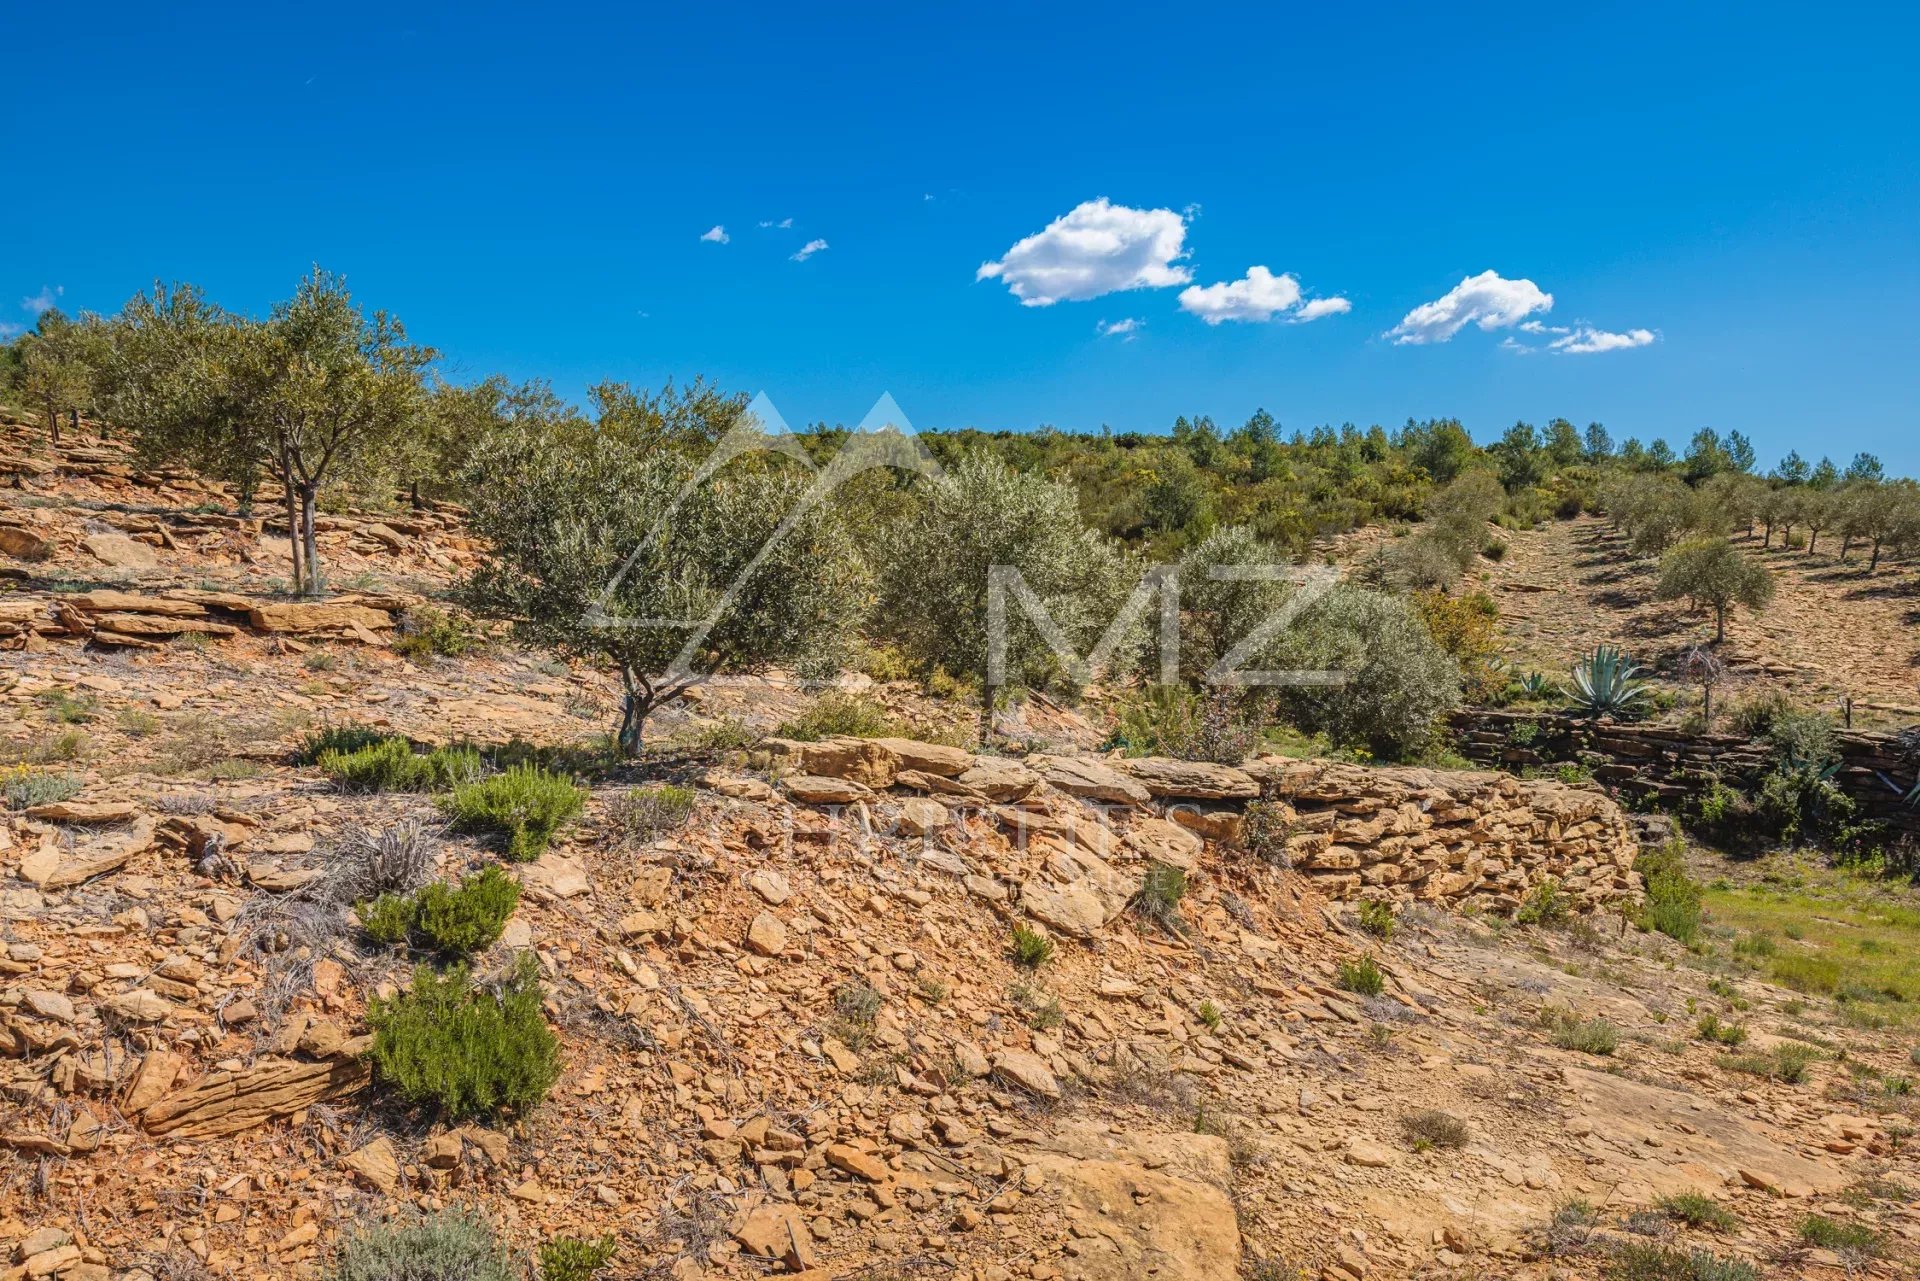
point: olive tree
(318, 394)
(936, 568)
(1715, 573)
(1395, 681)
(56, 369)
(613, 548)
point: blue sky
(527, 189)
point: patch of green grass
(523, 806)
(136, 722)
(1832, 1234)
(1712, 1029)
(1209, 1016)
(24, 788)
(1362, 975)
(1843, 933)
(1698, 1210)
(835, 715)
(67, 707)
(1786, 1062)
(1588, 1036)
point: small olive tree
(56, 369)
(938, 556)
(608, 546)
(317, 394)
(1715, 573)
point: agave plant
(1536, 685)
(1608, 683)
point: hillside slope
(794, 1039)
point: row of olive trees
(1657, 510)
(630, 548)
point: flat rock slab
(228, 1102)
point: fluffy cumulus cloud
(1097, 248)
(1584, 340)
(1126, 330)
(809, 249)
(1488, 300)
(715, 235)
(1258, 296)
(783, 224)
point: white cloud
(1126, 330)
(1488, 300)
(809, 249)
(1096, 248)
(44, 300)
(9, 331)
(1258, 296)
(1314, 308)
(1584, 340)
(716, 235)
(783, 224)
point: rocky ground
(1833, 632)
(795, 1039)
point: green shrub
(525, 805)
(1158, 898)
(1264, 829)
(467, 918)
(1432, 1128)
(835, 714)
(1832, 1234)
(646, 814)
(388, 919)
(68, 708)
(572, 1259)
(425, 630)
(337, 738)
(1363, 976)
(1210, 1016)
(1544, 905)
(466, 1052)
(1672, 905)
(391, 765)
(1712, 1029)
(25, 788)
(1650, 1261)
(1697, 1211)
(1031, 948)
(1786, 1062)
(453, 1245)
(1571, 1032)
(1399, 681)
(1376, 918)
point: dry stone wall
(1354, 831)
(1668, 764)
